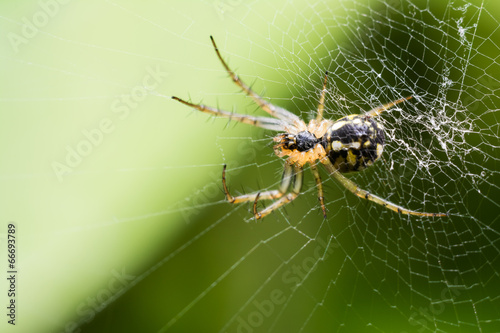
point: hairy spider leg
(291, 175)
(378, 110)
(354, 188)
(263, 122)
(272, 109)
(321, 198)
(298, 178)
(286, 180)
(321, 105)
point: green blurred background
(115, 188)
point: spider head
(301, 148)
(302, 141)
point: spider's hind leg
(354, 188)
(321, 104)
(378, 110)
(319, 185)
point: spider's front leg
(291, 175)
(273, 110)
(298, 177)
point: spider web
(141, 224)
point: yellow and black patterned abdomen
(354, 143)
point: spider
(349, 144)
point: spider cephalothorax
(302, 141)
(301, 148)
(351, 143)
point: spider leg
(317, 177)
(263, 122)
(297, 185)
(354, 188)
(378, 110)
(321, 104)
(286, 180)
(272, 109)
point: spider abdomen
(354, 142)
